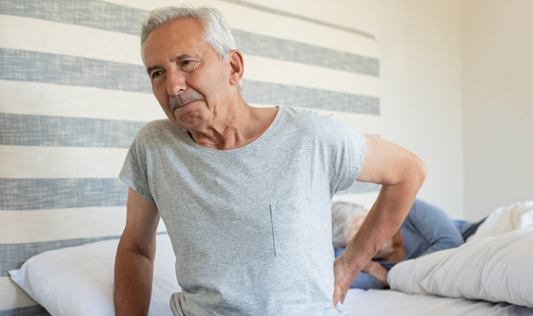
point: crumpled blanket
(495, 264)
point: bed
(73, 93)
(489, 275)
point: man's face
(188, 78)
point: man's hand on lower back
(344, 276)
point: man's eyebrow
(152, 68)
(177, 58)
(182, 56)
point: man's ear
(236, 67)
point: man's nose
(176, 83)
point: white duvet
(495, 264)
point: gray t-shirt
(250, 227)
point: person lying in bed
(426, 229)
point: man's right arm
(135, 257)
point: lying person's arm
(434, 225)
(401, 175)
(376, 270)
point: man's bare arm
(135, 257)
(401, 175)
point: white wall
(497, 43)
(421, 91)
(419, 44)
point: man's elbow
(416, 172)
(422, 169)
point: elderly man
(245, 192)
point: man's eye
(156, 74)
(187, 64)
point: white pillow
(496, 269)
(79, 280)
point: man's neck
(237, 129)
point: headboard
(73, 93)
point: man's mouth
(175, 105)
(183, 100)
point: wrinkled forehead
(183, 34)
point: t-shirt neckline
(190, 141)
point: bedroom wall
(420, 80)
(497, 103)
(455, 89)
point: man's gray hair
(217, 31)
(341, 218)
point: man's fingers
(338, 296)
(343, 296)
(343, 280)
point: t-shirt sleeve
(134, 169)
(348, 155)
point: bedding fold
(494, 265)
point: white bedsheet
(496, 264)
(393, 303)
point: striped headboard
(73, 93)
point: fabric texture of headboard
(73, 93)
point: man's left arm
(401, 175)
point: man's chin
(175, 111)
(186, 117)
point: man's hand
(344, 276)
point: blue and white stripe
(73, 93)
